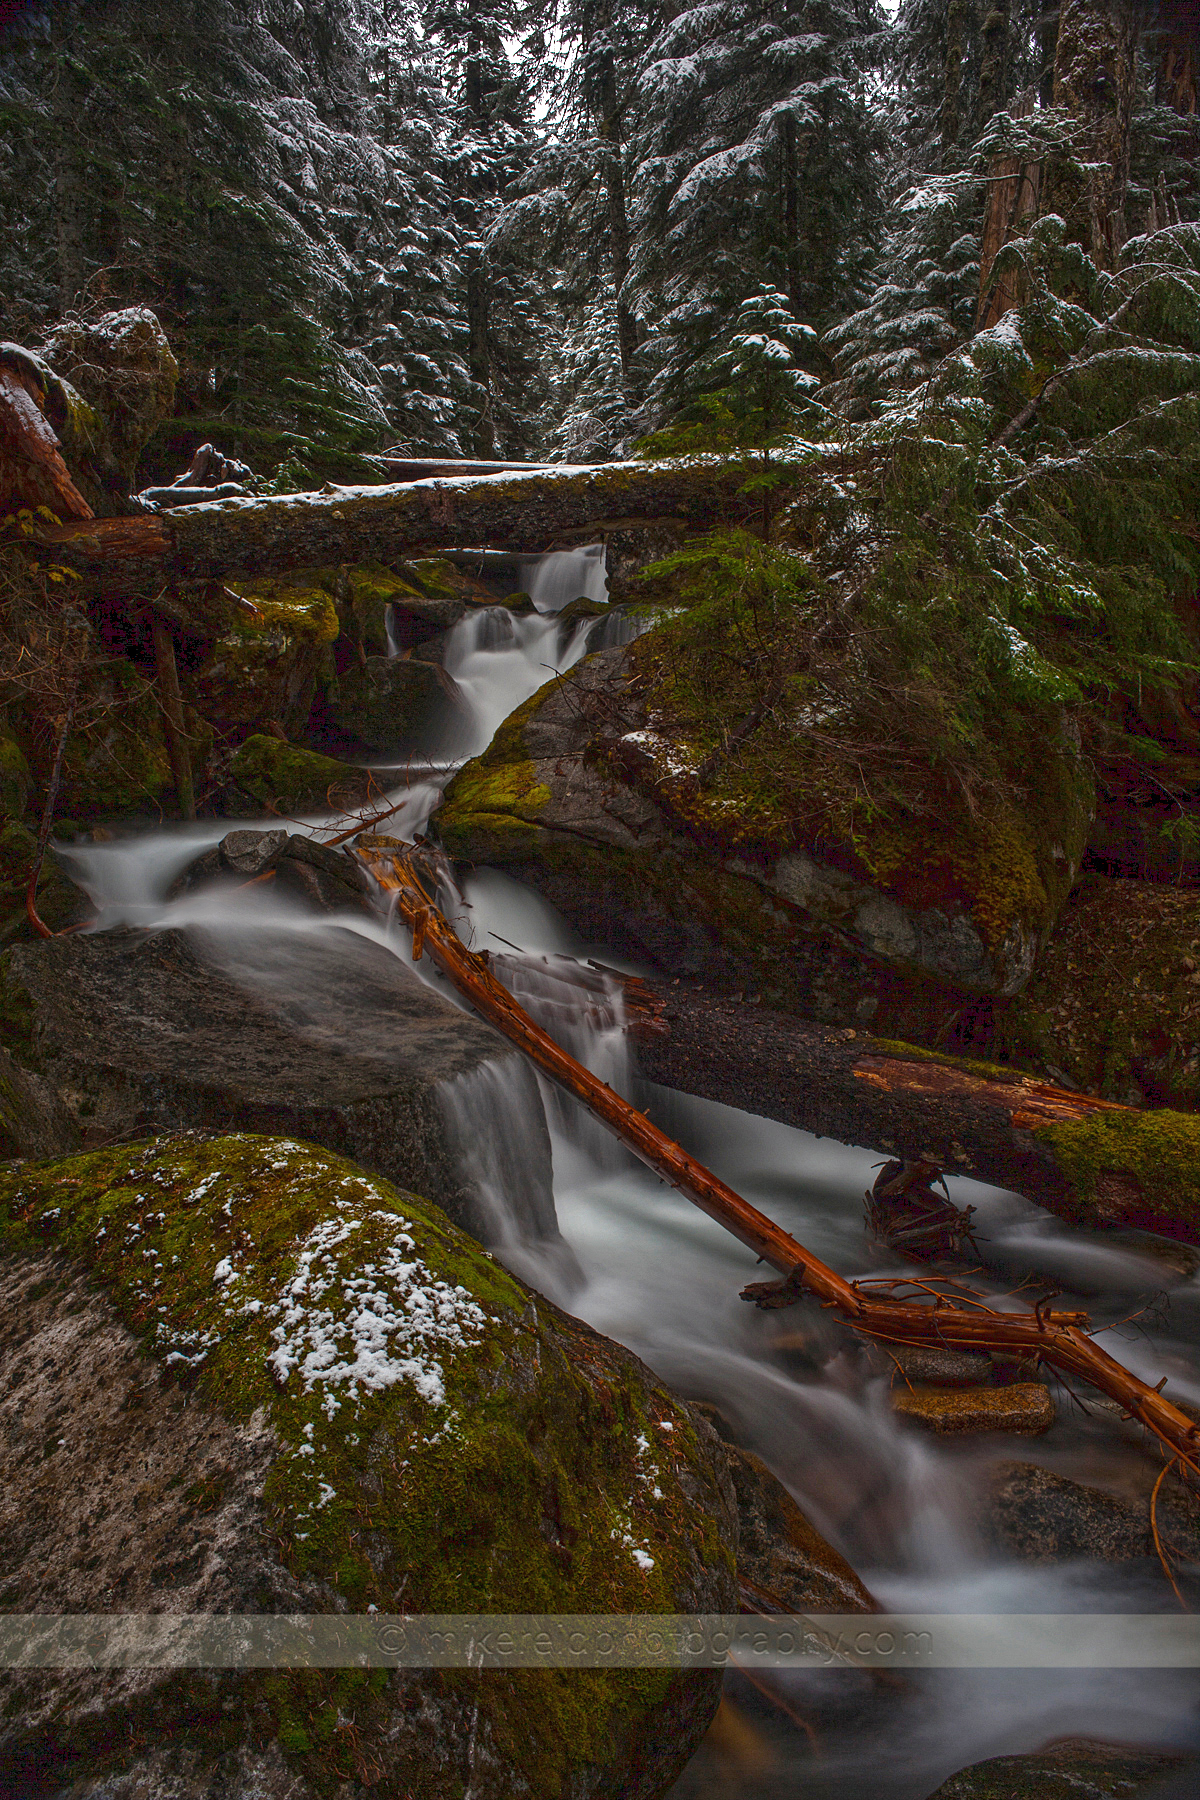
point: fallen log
(928, 1317)
(508, 511)
(995, 1124)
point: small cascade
(509, 1174)
(617, 628)
(554, 580)
(583, 1010)
(498, 659)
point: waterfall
(554, 580)
(509, 1173)
(498, 659)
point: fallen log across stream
(1059, 1339)
(507, 511)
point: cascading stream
(638, 1263)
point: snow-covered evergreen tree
(758, 162)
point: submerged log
(380, 524)
(924, 1317)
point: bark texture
(1094, 74)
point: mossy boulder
(1114, 1005)
(443, 580)
(737, 880)
(389, 702)
(1068, 1771)
(288, 779)
(263, 669)
(396, 1424)
(122, 366)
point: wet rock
(781, 1555)
(1069, 1771)
(269, 774)
(1025, 1408)
(1043, 1517)
(443, 579)
(171, 1437)
(33, 1120)
(938, 1368)
(372, 599)
(327, 878)
(388, 701)
(325, 1036)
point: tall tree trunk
(479, 360)
(993, 64)
(72, 198)
(1094, 73)
(1047, 38)
(791, 213)
(957, 17)
(608, 124)
(1176, 85)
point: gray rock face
(322, 1035)
(781, 1555)
(926, 940)
(1042, 1517)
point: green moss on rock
(264, 667)
(286, 778)
(1114, 1003)
(441, 1436)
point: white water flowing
(637, 1262)
(553, 581)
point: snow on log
(379, 524)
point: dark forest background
(546, 228)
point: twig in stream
(1158, 1543)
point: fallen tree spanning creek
(508, 511)
(927, 1317)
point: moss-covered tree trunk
(505, 512)
(1091, 1162)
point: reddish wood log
(1055, 1338)
(32, 471)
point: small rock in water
(248, 853)
(940, 1368)
(1070, 1771)
(1025, 1408)
(1043, 1517)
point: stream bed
(646, 1268)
